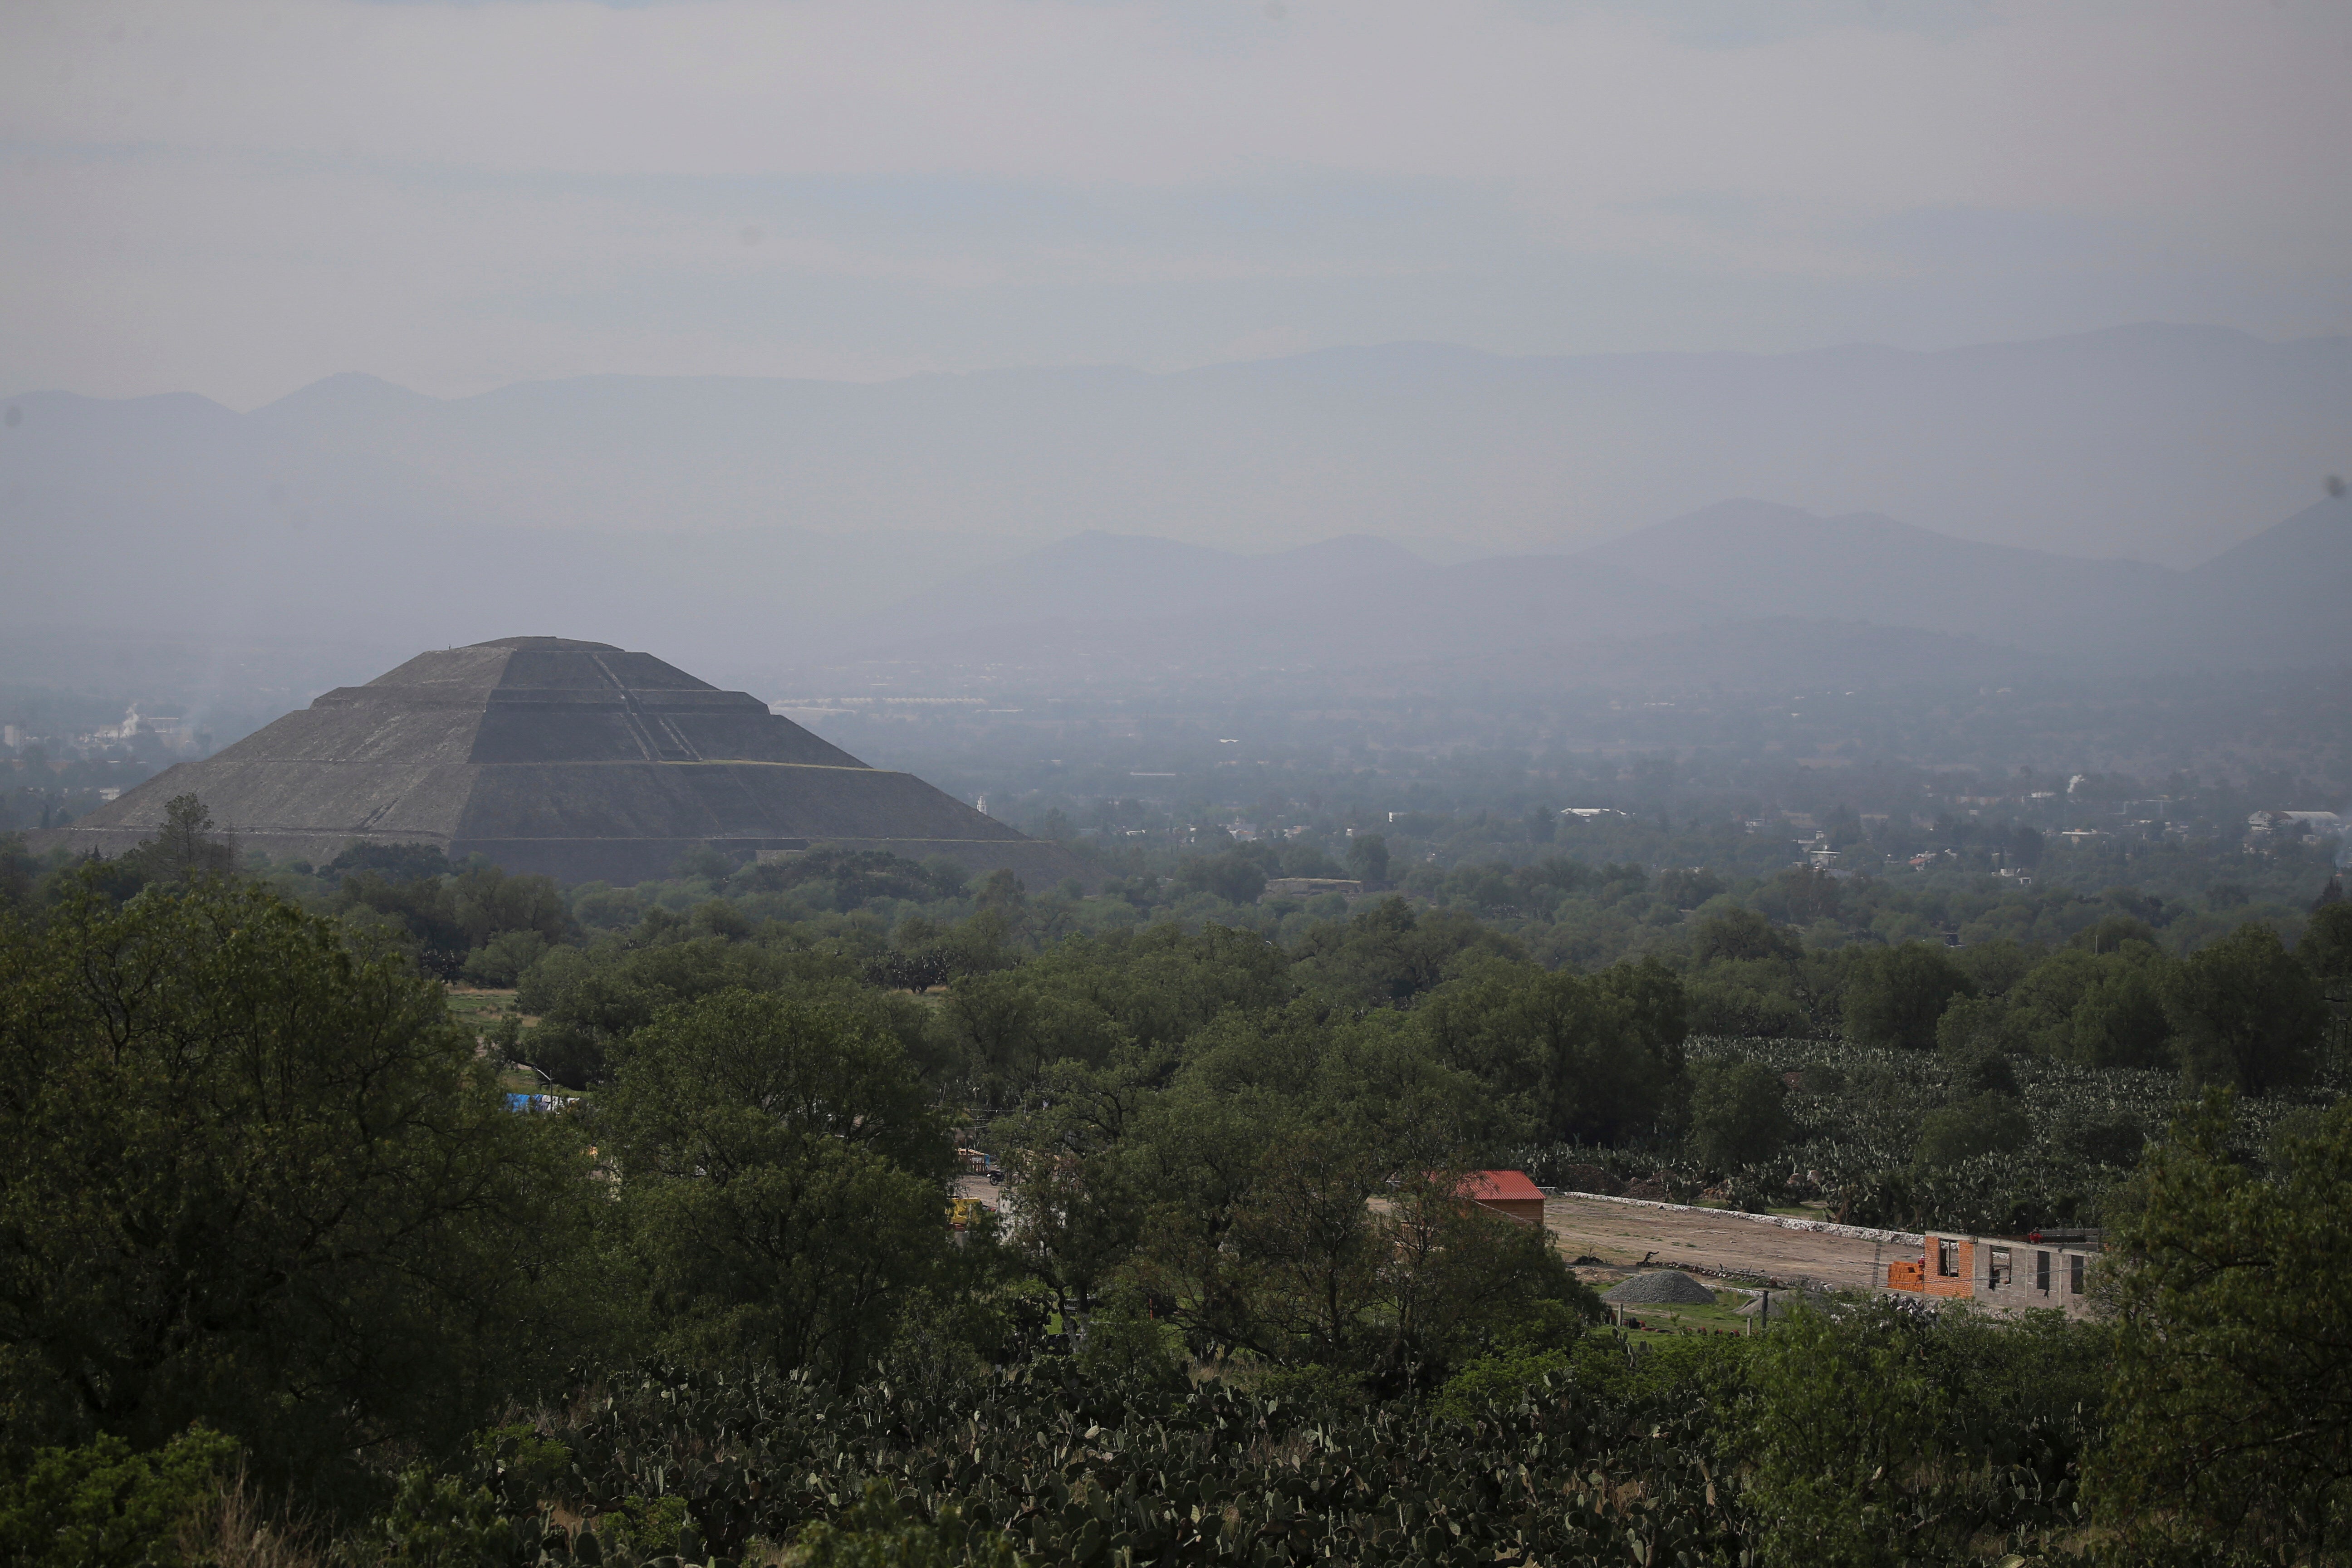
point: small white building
(169, 728)
(2298, 823)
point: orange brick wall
(1528, 1210)
(1961, 1280)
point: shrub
(501, 960)
(1847, 1423)
(1124, 1340)
(1500, 1379)
(1738, 1117)
(104, 1506)
(875, 1533)
(1893, 996)
(1986, 1123)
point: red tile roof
(1487, 1186)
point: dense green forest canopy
(267, 1211)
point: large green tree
(1740, 935)
(185, 848)
(590, 999)
(2246, 1014)
(1352, 1265)
(2121, 1022)
(1070, 1161)
(783, 1174)
(2327, 945)
(1990, 1123)
(1287, 1172)
(1895, 995)
(1008, 1027)
(1389, 953)
(1593, 1056)
(1739, 1112)
(2233, 1394)
(251, 1175)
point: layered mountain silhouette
(1360, 507)
(1908, 600)
(1345, 602)
(686, 513)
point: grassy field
(479, 1008)
(1721, 1318)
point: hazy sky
(237, 198)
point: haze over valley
(1162, 784)
(2134, 495)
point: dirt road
(1621, 1234)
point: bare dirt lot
(1620, 1235)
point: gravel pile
(1660, 1288)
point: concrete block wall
(2000, 1273)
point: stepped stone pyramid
(575, 759)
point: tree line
(263, 1205)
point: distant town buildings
(168, 731)
(2298, 824)
(169, 728)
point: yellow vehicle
(962, 1213)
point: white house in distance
(169, 728)
(2266, 825)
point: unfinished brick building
(2004, 1273)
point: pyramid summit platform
(579, 760)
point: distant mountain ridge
(1346, 602)
(737, 519)
(1783, 574)
(1763, 560)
